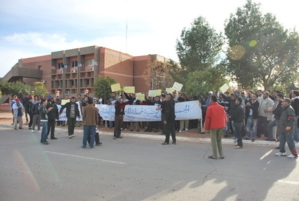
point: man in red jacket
(214, 124)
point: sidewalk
(192, 135)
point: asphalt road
(134, 169)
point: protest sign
(115, 87)
(177, 86)
(140, 96)
(129, 89)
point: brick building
(74, 71)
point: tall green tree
(199, 50)
(102, 87)
(261, 51)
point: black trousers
(51, 127)
(31, 120)
(117, 125)
(170, 129)
(71, 123)
(262, 126)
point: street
(134, 169)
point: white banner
(183, 111)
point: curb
(179, 138)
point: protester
(295, 105)
(287, 127)
(251, 113)
(36, 115)
(265, 114)
(53, 115)
(214, 124)
(72, 113)
(277, 110)
(43, 111)
(238, 119)
(119, 116)
(184, 124)
(90, 119)
(18, 110)
(26, 106)
(168, 117)
(30, 113)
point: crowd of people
(248, 116)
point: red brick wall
(142, 77)
(45, 63)
(117, 65)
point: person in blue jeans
(43, 111)
(251, 112)
(277, 113)
(90, 118)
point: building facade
(74, 71)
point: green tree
(14, 88)
(199, 50)
(261, 51)
(201, 82)
(40, 89)
(102, 87)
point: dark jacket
(43, 113)
(255, 109)
(278, 110)
(295, 105)
(120, 107)
(231, 105)
(168, 109)
(238, 114)
(132, 101)
(68, 107)
(35, 108)
(287, 118)
(53, 114)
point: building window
(60, 65)
(39, 67)
(74, 64)
(89, 62)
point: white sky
(31, 28)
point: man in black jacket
(52, 116)
(168, 117)
(251, 114)
(119, 116)
(277, 109)
(238, 119)
(72, 112)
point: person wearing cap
(287, 126)
(119, 116)
(72, 113)
(208, 100)
(18, 110)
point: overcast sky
(31, 28)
